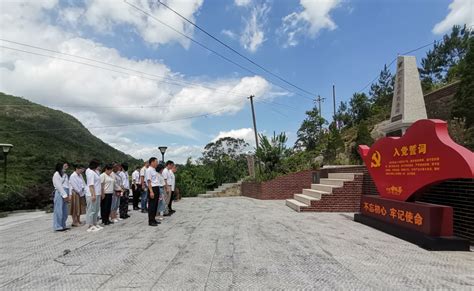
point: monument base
(433, 243)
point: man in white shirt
(77, 192)
(126, 191)
(144, 186)
(136, 188)
(118, 193)
(153, 183)
(168, 175)
(93, 196)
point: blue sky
(311, 43)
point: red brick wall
(283, 187)
(368, 186)
(344, 199)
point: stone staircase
(224, 190)
(340, 192)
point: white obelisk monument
(408, 104)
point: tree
(363, 138)
(224, 147)
(440, 65)
(310, 133)
(334, 146)
(464, 99)
(359, 107)
(381, 92)
(342, 117)
(271, 153)
(226, 157)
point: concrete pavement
(223, 243)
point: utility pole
(334, 103)
(319, 99)
(254, 122)
(255, 129)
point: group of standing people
(104, 194)
(155, 183)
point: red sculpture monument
(402, 167)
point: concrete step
(205, 195)
(304, 199)
(335, 182)
(317, 194)
(348, 176)
(295, 205)
(324, 188)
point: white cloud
(461, 12)
(313, 17)
(243, 133)
(229, 33)
(53, 81)
(242, 2)
(105, 15)
(253, 35)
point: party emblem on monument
(416, 153)
(425, 155)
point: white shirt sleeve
(90, 178)
(166, 176)
(147, 175)
(58, 184)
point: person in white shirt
(65, 177)
(107, 181)
(123, 208)
(61, 198)
(136, 188)
(118, 192)
(161, 200)
(77, 192)
(153, 183)
(144, 186)
(169, 179)
(93, 196)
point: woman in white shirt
(61, 198)
(93, 196)
(107, 181)
(78, 201)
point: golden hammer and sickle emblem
(376, 160)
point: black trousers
(153, 204)
(171, 200)
(136, 196)
(105, 207)
(123, 208)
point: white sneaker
(99, 227)
(120, 219)
(160, 218)
(96, 229)
(115, 220)
(91, 229)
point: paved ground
(223, 243)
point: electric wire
(235, 51)
(209, 49)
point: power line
(122, 125)
(207, 48)
(161, 77)
(391, 63)
(109, 107)
(234, 50)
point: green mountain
(41, 137)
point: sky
(137, 65)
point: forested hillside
(42, 137)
